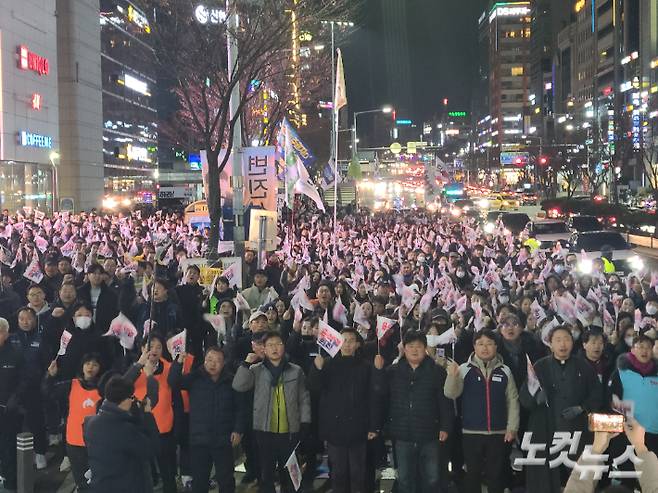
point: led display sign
(28, 60)
(29, 139)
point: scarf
(275, 371)
(643, 369)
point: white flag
(217, 321)
(329, 339)
(294, 470)
(533, 381)
(33, 271)
(176, 344)
(340, 98)
(383, 326)
(124, 330)
(64, 342)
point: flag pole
(336, 112)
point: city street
(288, 245)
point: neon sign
(36, 101)
(28, 139)
(28, 60)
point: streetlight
(54, 155)
(384, 109)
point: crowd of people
(462, 358)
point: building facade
(50, 145)
(130, 133)
(509, 65)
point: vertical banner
(260, 183)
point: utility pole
(236, 145)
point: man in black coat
(348, 412)
(12, 385)
(100, 297)
(419, 416)
(217, 419)
(568, 390)
(190, 297)
(121, 441)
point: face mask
(503, 299)
(652, 309)
(559, 269)
(628, 341)
(83, 322)
(461, 273)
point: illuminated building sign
(135, 153)
(135, 84)
(28, 139)
(204, 15)
(36, 101)
(457, 114)
(136, 17)
(28, 60)
(509, 9)
(403, 122)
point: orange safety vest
(163, 412)
(82, 403)
(185, 395)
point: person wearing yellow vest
(281, 410)
(82, 397)
(163, 411)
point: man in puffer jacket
(490, 411)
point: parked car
(593, 243)
(548, 232)
(581, 224)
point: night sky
(442, 36)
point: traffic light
(543, 160)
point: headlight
(484, 204)
(636, 263)
(467, 208)
(505, 202)
(455, 212)
(585, 266)
(126, 202)
(109, 203)
(489, 228)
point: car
(581, 224)
(514, 222)
(499, 202)
(463, 207)
(529, 198)
(593, 243)
(548, 232)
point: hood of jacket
(496, 362)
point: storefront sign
(28, 139)
(36, 101)
(28, 60)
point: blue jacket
(629, 385)
(489, 398)
(35, 354)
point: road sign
(403, 122)
(395, 148)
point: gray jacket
(298, 400)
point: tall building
(129, 114)
(509, 66)
(50, 127)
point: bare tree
(194, 56)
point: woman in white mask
(84, 339)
